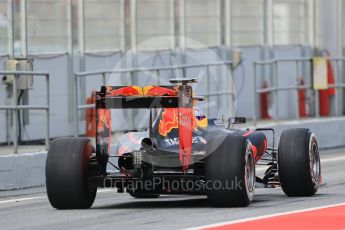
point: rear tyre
(299, 164)
(229, 171)
(67, 174)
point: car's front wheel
(299, 164)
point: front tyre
(67, 169)
(299, 164)
(229, 165)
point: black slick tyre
(229, 171)
(67, 167)
(299, 164)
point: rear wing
(150, 97)
(132, 97)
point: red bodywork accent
(265, 145)
(90, 116)
(257, 147)
(254, 149)
(169, 121)
(104, 119)
(248, 133)
(185, 134)
(104, 126)
(126, 91)
(160, 91)
(133, 138)
(255, 152)
(122, 150)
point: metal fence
(275, 88)
(16, 108)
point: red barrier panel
(90, 116)
(324, 95)
(302, 100)
(264, 102)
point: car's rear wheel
(299, 164)
(67, 169)
(229, 171)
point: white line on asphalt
(22, 199)
(332, 159)
(264, 217)
(106, 190)
(42, 197)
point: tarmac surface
(30, 208)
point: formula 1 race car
(182, 152)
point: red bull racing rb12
(182, 152)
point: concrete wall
(22, 171)
(329, 131)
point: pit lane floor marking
(322, 217)
(41, 197)
(332, 159)
(22, 199)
